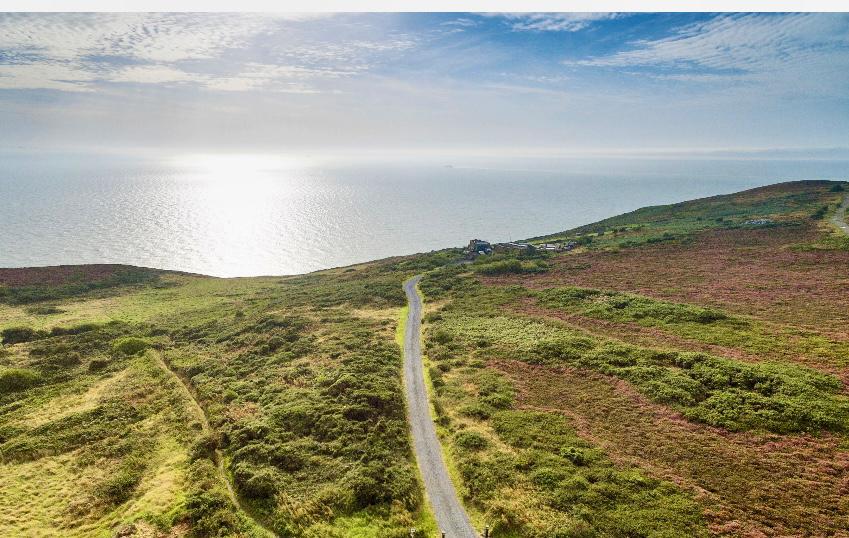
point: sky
(426, 83)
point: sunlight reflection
(236, 166)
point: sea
(248, 215)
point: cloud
(461, 22)
(554, 22)
(44, 76)
(155, 74)
(154, 37)
(71, 52)
(753, 43)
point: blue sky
(523, 84)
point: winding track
(450, 515)
(839, 218)
(189, 395)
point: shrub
(256, 482)
(837, 187)
(44, 310)
(120, 485)
(208, 508)
(436, 378)
(130, 346)
(511, 266)
(17, 379)
(98, 364)
(476, 410)
(573, 454)
(819, 213)
(204, 447)
(377, 483)
(18, 335)
(470, 441)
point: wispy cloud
(44, 75)
(462, 22)
(407, 79)
(735, 45)
(74, 52)
(151, 37)
(554, 22)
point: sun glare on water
(237, 166)
(248, 208)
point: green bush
(256, 482)
(17, 379)
(208, 508)
(627, 307)
(820, 213)
(129, 346)
(120, 484)
(510, 266)
(472, 441)
(44, 310)
(204, 447)
(18, 335)
(573, 454)
(98, 364)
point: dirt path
(206, 428)
(839, 218)
(450, 514)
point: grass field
(683, 372)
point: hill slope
(683, 371)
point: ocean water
(237, 218)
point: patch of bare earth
(749, 484)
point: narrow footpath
(449, 512)
(839, 218)
(188, 394)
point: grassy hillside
(683, 372)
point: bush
(130, 346)
(18, 335)
(204, 447)
(17, 379)
(120, 485)
(44, 310)
(256, 482)
(470, 441)
(573, 454)
(208, 509)
(837, 187)
(98, 364)
(511, 266)
(376, 483)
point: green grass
(718, 391)
(786, 204)
(528, 474)
(321, 451)
(293, 386)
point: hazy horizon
(230, 215)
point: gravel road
(450, 515)
(839, 218)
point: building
(502, 247)
(478, 247)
